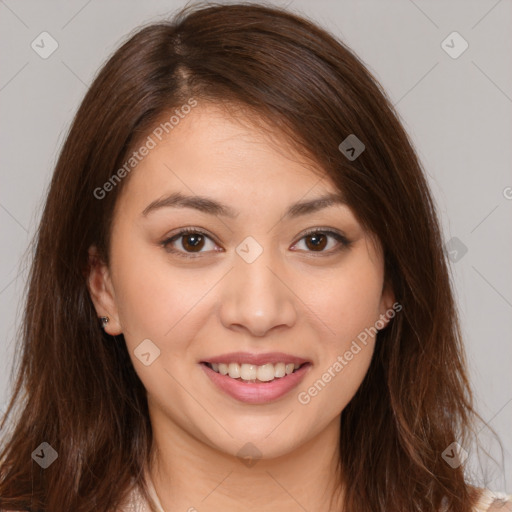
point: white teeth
(234, 370)
(266, 372)
(279, 370)
(250, 372)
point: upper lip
(256, 359)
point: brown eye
(193, 242)
(316, 241)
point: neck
(190, 475)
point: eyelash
(344, 242)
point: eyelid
(339, 236)
(325, 230)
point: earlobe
(102, 294)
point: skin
(293, 298)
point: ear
(386, 302)
(101, 291)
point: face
(256, 284)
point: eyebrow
(213, 207)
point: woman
(239, 206)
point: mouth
(256, 379)
(252, 373)
(256, 384)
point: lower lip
(256, 392)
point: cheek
(347, 300)
(152, 296)
(347, 304)
(344, 362)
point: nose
(257, 297)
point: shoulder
(490, 501)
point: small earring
(104, 321)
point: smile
(253, 373)
(255, 378)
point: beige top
(136, 502)
(487, 499)
(498, 499)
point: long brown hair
(76, 388)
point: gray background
(457, 112)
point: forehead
(225, 151)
